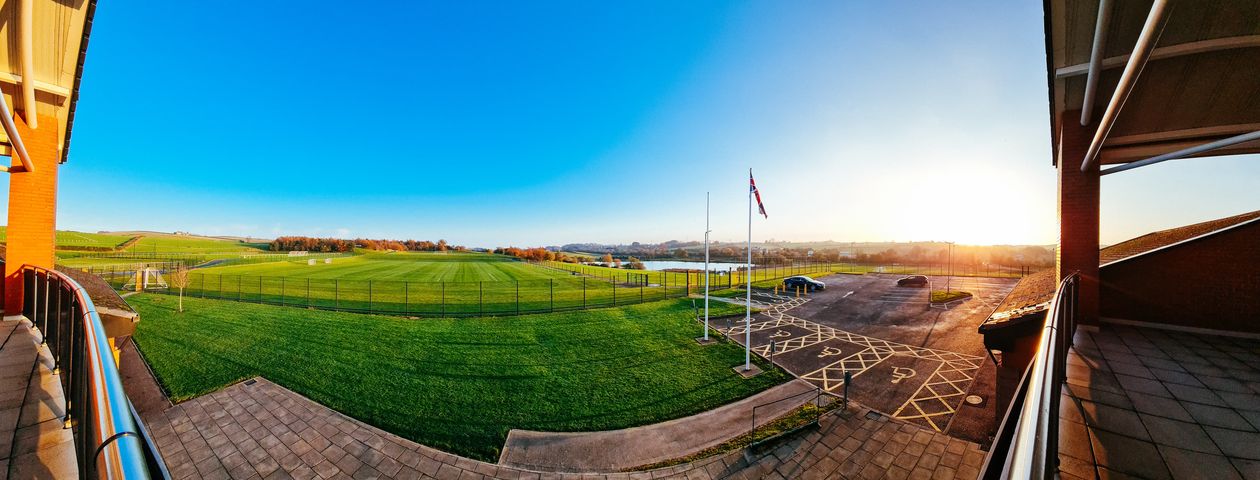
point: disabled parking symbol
(900, 374)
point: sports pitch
(423, 284)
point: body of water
(670, 264)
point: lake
(672, 264)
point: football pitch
(428, 284)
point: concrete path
(616, 450)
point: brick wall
(1078, 215)
(1213, 282)
(32, 209)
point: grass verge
(796, 419)
(941, 296)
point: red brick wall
(32, 209)
(1078, 215)
(1213, 282)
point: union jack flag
(752, 185)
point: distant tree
(608, 258)
(180, 279)
(680, 253)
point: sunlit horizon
(862, 122)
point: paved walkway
(261, 430)
(616, 450)
(33, 440)
(1160, 404)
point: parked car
(913, 281)
(809, 284)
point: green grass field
(420, 284)
(455, 384)
(401, 266)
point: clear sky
(529, 123)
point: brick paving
(260, 430)
(1160, 404)
(34, 442)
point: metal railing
(1027, 442)
(110, 440)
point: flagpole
(748, 287)
(706, 266)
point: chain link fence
(584, 287)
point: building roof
(58, 36)
(1198, 86)
(1033, 293)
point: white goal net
(146, 279)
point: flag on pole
(757, 193)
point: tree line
(314, 244)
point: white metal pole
(706, 266)
(748, 287)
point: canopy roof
(1201, 83)
(54, 41)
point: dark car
(809, 284)
(913, 281)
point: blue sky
(528, 123)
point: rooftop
(1032, 294)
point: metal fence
(1027, 441)
(109, 438)
(583, 287)
(216, 259)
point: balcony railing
(110, 440)
(1027, 442)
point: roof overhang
(1199, 83)
(41, 62)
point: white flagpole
(706, 266)
(748, 287)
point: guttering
(1137, 61)
(1207, 147)
(15, 140)
(1095, 61)
(26, 45)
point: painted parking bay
(921, 385)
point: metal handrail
(109, 438)
(1027, 443)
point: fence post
(553, 294)
(406, 297)
(282, 291)
(336, 293)
(614, 284)
(443, 314)
(518, 296)
(260, 285)
(583, 293)
(481, 307)
(370, 306)
(308, 292)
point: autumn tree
(180, 279)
